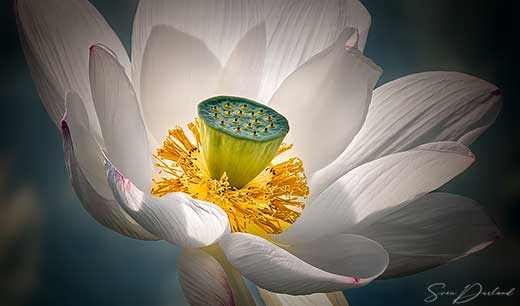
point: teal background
(53, 253)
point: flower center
(230, 164)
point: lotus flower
(351, 201)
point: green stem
(241, 294)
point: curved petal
(203, 280)
(321, 299)
(300, 29)
(219, 24)
(243, 71)
(176, 217)
(125, 136)
(417, 109)
(326, 101)
(87, 151)
(433, 230)
(178, 72)
(332, 264)
(56, 36)
(85, 168)
(379, 185)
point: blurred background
(53, 253)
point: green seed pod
(236, 145)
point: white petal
(56, 36)
(178, 72)
(203, 280)
(316, 299)
(298, 30)
(85, 168)
(219, 24)
(430, 231)
(332, 264)
(417, 109)
(243, 72)
(87, 151)
(117, 108)
(378, 186)
(326, 101)
(176, 217)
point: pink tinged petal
(56, 36)
(203, 280)
(219, 25)
(243, 71)
(433, 230)
(86, 171)
(326, 101)
(346, 261)
(321, 299)
(117, 108)
(178, 72)
(176, 217)
(378, 186)
(417, 109)
(298, 30)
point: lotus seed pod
(239, 137)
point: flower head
(351, 203)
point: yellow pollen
(266, 205)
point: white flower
(372, 157)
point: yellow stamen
(267, 205)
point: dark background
(53, 253)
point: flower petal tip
(113, 172)
(353, 41)
(102, 49)
(63, 122)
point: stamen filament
(268, 204)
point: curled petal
(176, 217)
(56, 36)
(87, 175)
(326, 101)
(414, 110)
(433, 230)
(126, 140)
(338, 262)
(381, 185)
